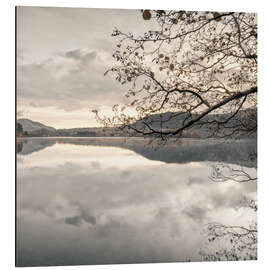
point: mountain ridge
(38, 129)
(30, 125)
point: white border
(8, 115)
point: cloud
(95, 164)
(80, 219)
(75, 54)
(20, 113)
(194, 181)
(65, 69)
(234, 197)
(83, 216)
(62, 71)
(75, 220)
(196, 212)
(80, 55)
(72, 80)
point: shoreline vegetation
(28, 128)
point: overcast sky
(62, 56)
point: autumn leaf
(181, 15)
(217, 16)
(147, 14)
(171, 67)
(160, 12)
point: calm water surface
(117, 200)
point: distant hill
(33, 126)
(37, 129)
(171, 122)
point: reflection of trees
(224, 172)
(231, 242)
(26, 146)
(19, 147)
(173, 151)
(239, 242)
(19, 130)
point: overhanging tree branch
(192, 66)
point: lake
(126, 200)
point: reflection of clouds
(234, 198)
(75, 220)
(194, 181)
(229, 195)
(197, 213)
(117, 191)
(122, 213)
(83, 216)
(95, 164)
(78, 220)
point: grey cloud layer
(64, 52)
(72, 80)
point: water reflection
(180, 151)
(84, 201)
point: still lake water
(124, 200)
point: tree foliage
(223, 172)
(199, 66)
(19, 130)
(231, 242)
(227, 241)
